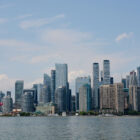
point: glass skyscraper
(80, 81)
(61, 75)
(95, 93)
(106, 72)
(19, 85)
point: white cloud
(64, 36)
(3, 20)
(6, 6)
(123, 36)
(24, 16)
(13, 43)
(39, 22)
(43, 58)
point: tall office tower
(38, 88)
(53, 86)
(126, 98)
(112, 98)
(19, 86)
(46, 92)
(7, 104)
(73, 105)
(60, 99)
(134, 98)
(61, 75)
(68, 98)
(85, 98)
(33, 93)
(106, 72)
(95, 93)
(138, 76)
(27, 102)
(80, 81)
(127, 81)
(124, 82)
(133, 79)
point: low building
(48, 108)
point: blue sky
(34, 35)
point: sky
(34, 35)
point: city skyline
(33, 36)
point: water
(69, 128)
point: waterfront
(70, 128)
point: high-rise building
(134, 98)
(7, 104)
(73, 107)
(95, 93)
(112, 98)
(85, 98)
(60, 99)
(1, 97)
(46, 92)
(53, 85)
(33, 92)
(79, 82)
(127, 81)
(106, 72)
(38, 88)
(61, 75)
(138, 76)
(27, 102)
(133, 79)
(124, 82)
(19, 86)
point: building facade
(106, 72)
(79, 82)
(19, 86)
(85, 98)
(112, 98)
(95, 91)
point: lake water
(70, 128)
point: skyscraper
(53, 85)
(60, 99)
(80, 81)
(61, 75)
(134, 97)
(19, 85)
(133, 79)
(46, 93)
(85, 98)
(106, 72)
(38, 88)
(138, 76)
(27, 102)
(95, 94)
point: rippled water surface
(69, 128)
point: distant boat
(64, 114)
(107, 115)
(76, 114)
(53, 115)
